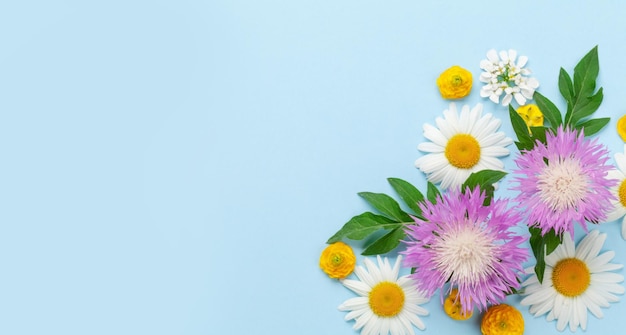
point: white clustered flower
(504, 75)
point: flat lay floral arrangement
(460, 240)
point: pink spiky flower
(564, 182)
(467, 245)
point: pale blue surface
(175, 167)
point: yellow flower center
(463, 151)
(571, 277)
(456, 80)
(452, 307)
(336, 259)
(386, 299)
(502, 319)
(622, 193)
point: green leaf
(541, 246)
(538, 248)
(593, 126)
(523, 146)
(539, 134)
(361, 226)
(585, 74)
(565, 85)
(483, 179)
(549, 110)
(386, 205)
(386, 243)
(408, 193)
(432, 193)
(552, 240)
(520, 128)
(585, 107)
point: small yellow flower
(502, 319)
(455, 83)
(338, 260)
(452, 307)
(621, 127)
(532, 115)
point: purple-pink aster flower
(563, 182)
(466, 245)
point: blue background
(175, 167)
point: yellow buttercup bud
(338, 260)
(455, 83)
(502, 319)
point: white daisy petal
(356, 286)
(434, 135)
(430, 147)
(619, 210)
(601, 263)
(620, 161)
(363, 309)
(462, 143)
(568, 304)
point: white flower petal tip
(465, 141)
(566, 301)
(504, 72)
(387, 304)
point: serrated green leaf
(386, 243)
(408, 193)
(519, 127)
(585, 107)
(565, 85)
(386, 206)
(593, 126)
(361, 226)
(550, 112)
(432, 193)
(585, 74)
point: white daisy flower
(504, 75)
(576, 280)
(619, 191)
(460, 145)
(386, 304)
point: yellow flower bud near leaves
(621, 127)
(338, 260)
(502, 319)
(455, 83)
(452, 307)
(532, 115)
